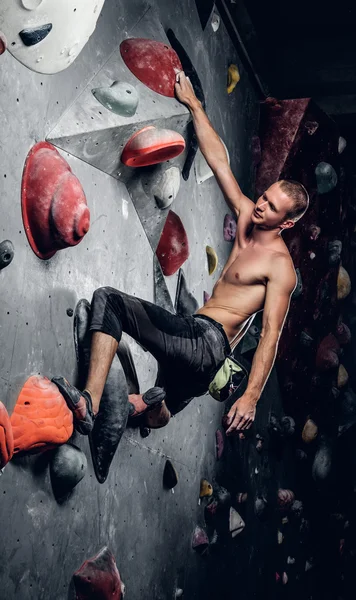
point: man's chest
(249, 267)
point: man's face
(47, 35)
(271, 209)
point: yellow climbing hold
(212, 259)
(343, 284)
(342, 376)
(206, 489)
(233, 77)
(310, 431)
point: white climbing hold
(167, 187)
(31, 4)
(236, 523)
(71, 29)
(342, 144)
(202, 169)
(215, 22)
(121, 98)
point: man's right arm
(212, 148)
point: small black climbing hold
(33, 35)
(260, 506)
(6, 253)
(69, 312)
(170, 476)
(144, 431)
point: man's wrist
(251, 397)
(195, 105)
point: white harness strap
(238, 337)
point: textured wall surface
(148, 528)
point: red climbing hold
(152, 145)
(154, 63)
(200, 540)
(6, 437)
(54, 208)
(285, 498)
(98, 578)
(327, 355)
(3, 43)
(173, 248)
(41, 419)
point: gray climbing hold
(121, 98)
(321, 468)
(260, 507)
(326, 177)
(299, 287)
(342, 144)
(6, 253)
(236, 523)
(306, 339)
(334, 248)
(34, 35)
(167, 188)
(68, 467)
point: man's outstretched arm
(279, 289)
(212, 148)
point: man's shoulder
(282, 268)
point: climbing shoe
(80, 404)
(151, 399)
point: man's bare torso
(241, 289)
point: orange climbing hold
(151, 146)
(6, 437)
(41, 419)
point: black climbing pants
(189, 350)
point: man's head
(281, 206)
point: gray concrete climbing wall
(148, 528)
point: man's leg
(166, 336)
(103, 349)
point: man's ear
(288, 224)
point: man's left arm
(279, 290)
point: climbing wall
(62, 112)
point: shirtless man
(259, 275)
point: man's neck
(265, 237)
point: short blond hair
(297, 192)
